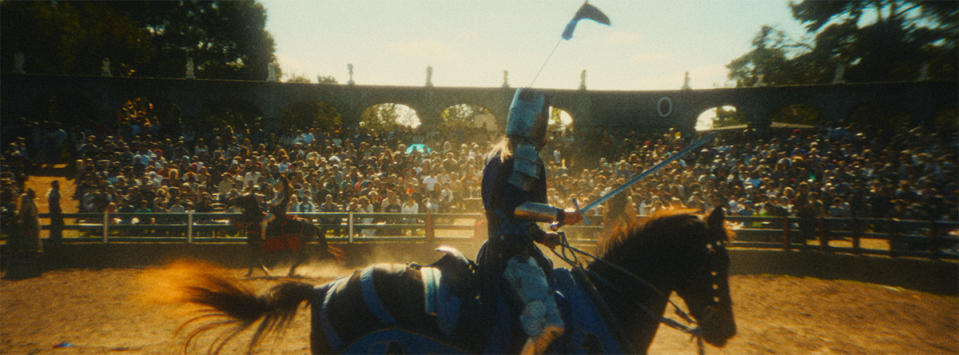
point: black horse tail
(222, 300)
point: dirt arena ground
(86, 311)
(98, 311)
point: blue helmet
(528, 116)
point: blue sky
(650, 45)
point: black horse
(284, 235)
(615, 304)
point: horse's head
(705, 287)
(672, 251)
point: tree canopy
(880, 40)
(225, 39)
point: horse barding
(288, 235)
(613, 304)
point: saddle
(440, 301)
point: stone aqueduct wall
(96, 100)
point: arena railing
(874, 236)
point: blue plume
(586, 11)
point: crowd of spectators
(836, 171)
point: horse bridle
(695, 328)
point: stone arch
(560, 120)
(307, 114)
(72, 110)
(879, 115)
(736, 116)
(468, 115)
(235, 113)
(147, 114)
(798, 113)
(389, 115)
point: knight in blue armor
(514, 196)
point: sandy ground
(100, 311)
(85, 311)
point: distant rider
(276, 209)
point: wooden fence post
(350, 229)
(429, 227)
(106, 227)
(189, 227)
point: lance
(640, 177)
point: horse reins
(695, 331)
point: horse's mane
(649, 228)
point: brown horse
(614, 304)
(288, 236)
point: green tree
(461, 115)
(768, 60)
(880, 40)
(298, 79)
(903, 37)
(381, 117)
(797, 114)
(314, 114)
(71, 38)
(226, 39)
(327, 79)
(727, 116)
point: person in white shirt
(429, 182)
(294, 204)
(251, 178)
(307, 205)
(410, 207)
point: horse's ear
(715, 219)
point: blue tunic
(509, 236)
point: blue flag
(586, 11)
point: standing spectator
(410, 207)
(806, 209)
(392, 204)
(364, 206)
(176, 206)
(225, 185)
(430, 205)
(307, 205)
(294, 204)
(429, 182)
(839, 208)
(445, 199)
(328, 206)
(29, 218)
(56, 213)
